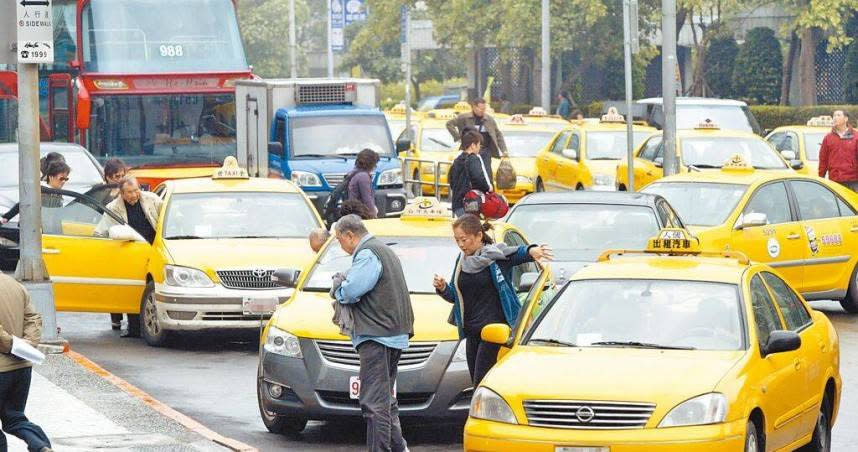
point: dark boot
(133, 328)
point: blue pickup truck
(311, 130)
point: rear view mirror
(782, 341)
(275, 148)
(796, 164)
(527, 281)
(570, 154)
(125, 233)
(496, 333)
(286, 277)
(658, 162)
(788, 155)
(403, 145)
(751, 219)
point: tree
(851, 70)
(759, 67)
(265, 29)
(719, 63)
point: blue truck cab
(311, 130)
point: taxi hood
(308, 315)
(211, 255)
(663, 377)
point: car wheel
(821, 441)
(540, 187)
(753, 441)
(621, 188)
(850, 303)
(274, 422)
(150, 327)
(579, 187)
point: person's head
(114, 171)
(471, 142)
(366, 160)
(318, 237)
(349, 230)
(355, 207)
(57, 174)
(478, 107)
(129, 190)
(841, 118)
(563, 95)
(46, 161)
(471, 234)
(577, 114)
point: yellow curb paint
(160, 407)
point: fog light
(396, 205)
(276, 391)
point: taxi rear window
(700, 204)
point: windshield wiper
(252, 237)
(553, 342)
(183, 237)
(704, 166)
(642, 345)
(604, 158)
(326, 156)
(446, 145)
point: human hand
(439, 283)
(542, 253)
(3, 220)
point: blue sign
(338, 19)
(403, 24)
(355, 11)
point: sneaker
(46, 449)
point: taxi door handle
(797, 363)
(794, 236)
(50, 251)
(853, 229)
(822, 346)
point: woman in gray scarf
(481, 290)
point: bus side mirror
(403, 145)
(276, 148)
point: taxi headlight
(305, 179)
(461, 353)
(604, 179)
(390, 177)
(486, 404)
(705, 409)
(523, 180)
(282, 343)
(186, 277)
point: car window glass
(765, 315)
(70, 215)
(814, 201)
(845, 209)
(549, 290)
(649, 149)
(793, 310)
(560, 144)
(513, 238)
(776, 140)
(790, 143)
(574, 142)
(773, 201)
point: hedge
(773, 116)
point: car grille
(334, 179)
(247, 279)
(580, 414)
(404, 399)
(342, 352)
(233, 316)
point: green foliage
(851, 71)
(264, 28)
(830, 16)
(758, 68)
(720, 60)
(772, 116)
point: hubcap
(151, 317)
(752, 444)
(822, 427)
(265, 413)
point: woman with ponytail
(481, 290)
(467, 172)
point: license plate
(259, 305)
(354, 387)
(581, 449)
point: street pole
(406, 60)
(546, 56)
(668, 87)
(627, 49)
(293, 47)
(330, 45)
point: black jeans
(378, 367)
(14, 389)
(481, 357)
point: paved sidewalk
(82, 411)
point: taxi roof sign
(675, 242)
(537, 111)
(398, 108)
(821, 121)
(425, 208)
(613, 116)
(442, 114)
(462, 107)
(230, 170)
(707, 124)
(516, 119)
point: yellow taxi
(431, 143)
(802, 142)
(396, 119)
(192, 277)
(585, 156)
(526, 137)
(703, 148)
(804, 226)
(308, 370)
(667, 349)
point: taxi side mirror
(286, 277)
(570, 154)
(496, 333)
(788, 154)
(796, 164)
(527, 281)
(658, 162)
(403, 145)
(779, 342)
(750, 220)
(125, 233)
(276, 148)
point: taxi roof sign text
(230, 170)
(708, 124)
(737, 163)
(613, 116)
(427, 208)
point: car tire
(540, 187)
(579, 187)
(621, 188)
(850, 303)
(274, 422)
(753, 439)
(821, 441)
(150, 327)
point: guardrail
(408, 181)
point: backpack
(339, 194)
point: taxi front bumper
(214, 308)
(315, 388)
(482, 435)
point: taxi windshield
(421, 257)
(699, 204)
(812, 143)
(526, 144)
(611, 145)
(712, 152)
(640, 313)
(580, 232)
(435, 140)
(341, 135)
(237, 215)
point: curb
(160, 407)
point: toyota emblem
(585, 414)
(259, 273)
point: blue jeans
(14, 390)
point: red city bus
(147, 81)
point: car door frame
(548, 162)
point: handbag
(505, 175)
(491, 205)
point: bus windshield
(132, 36)
(162, 130)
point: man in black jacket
(493, 144)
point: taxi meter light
(537, 111)
(613, 116)
(675, 242)
(462, 107)
(230, 170)
(516, 119)
(707, 124)
(821, 121)
(426, 208)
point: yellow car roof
(610, 126)
(735, 176)
(683, 268)
(803, 128)
(529, 127)
(253, 184)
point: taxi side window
(669, 218)
(845, 209)
(69, 215)
(814, 200)
(575, 143)
(560, 144)
(549, 290)
(650, 149)
(793, 310)
(773, 201)
(765, 315)
(514, 239)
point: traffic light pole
(627, 49)
(668, 83)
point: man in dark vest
(383, 322)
